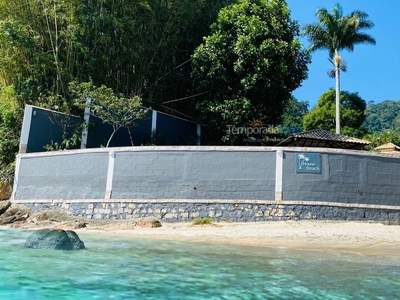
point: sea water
(127, 268)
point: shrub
(202, 221)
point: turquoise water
(121, 268)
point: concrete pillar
(154, 122)
(279, 176)
(26, 126)
(110, 175)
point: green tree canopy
(111, 108)
(334, 31)
(249, 65)
(322, 116)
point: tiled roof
(329, 136)
(388, 146)
(325, 139)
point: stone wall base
(233, 212)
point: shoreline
(372, 239)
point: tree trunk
(111, 136)
(337, 78)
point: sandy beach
(366, 238)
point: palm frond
(365, 24)
(359, 14)
(331, 73)
(337, 11)
(363, 38)
(334, 31)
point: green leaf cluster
(111, 108)
(322, 116)
(335, 31)
(249, 64)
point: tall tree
(322, 116)
(334, 31)
(248, 65)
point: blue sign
(308, 163)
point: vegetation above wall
(137, 48)
(113, 109)
(249, 65)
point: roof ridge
(327, 135)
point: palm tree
(334, 31)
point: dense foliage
(382, 122)
(10, 122)
(383, 116)
(322, 116)
(135, 48)
(248, 65)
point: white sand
(362, 237)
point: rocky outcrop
(56, 239)
(149, 223)
(4, 205)
(14, 213)
(19, 216)
(58, 217)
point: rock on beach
(56, 239)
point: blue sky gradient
(372, 71)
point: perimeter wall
(178, 184)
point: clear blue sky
(372, 71)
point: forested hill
(383, 116)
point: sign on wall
(308, 163)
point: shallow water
(122, 268)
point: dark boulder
(75, 240)
(57, 239)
